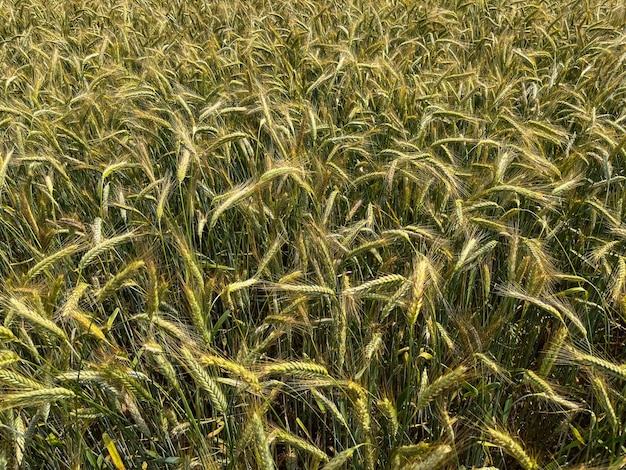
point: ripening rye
(353, 234)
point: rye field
(318, 235)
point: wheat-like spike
(180, 428)
(71, 309)
(434, 459)
(302, 254)
(190, 261)
(18, 381)
(163, 194)
(6, 334)
(34, 397)
(339, 460)
(106, 191)
(460, 217)
(362, 412)
(517, 294)
(234, 287)
(418, 280)
(372, 347)
(346, 304)
(277, 172)
(545, 390)
(256, 351)
(281, 321)
(448, 423)
(19, 439)
(465, 253)
(7, 358)
(493, 365)
(485, 272)
(202, 220)
(298, 368)
(317, 269)
(233, 198)
(96, 228)
(329, 204)
(512, 447)
(42, 414)
(168, 371)
(205, 381)
(4, 168)
(619, 280)
(132, 408)
(432, 391)
(295, 305)
(599, 387)
(538, 384)
(86, 414)
(261, 442)
(196, 314)
(412, 450)
(228, 300)
(403, 454)
(71, 304)
(444, 335)
(291, 459)
(618, 371)
(339, 416)
(232, 367)
(327, 260)
(559, 400)
(128, 380)
(50, 260)
(305, 289)
(103, 247)
(503, 160)
(551, 354)
(104, 382)
(247, 433)
(388, 279)
(183, 164)
(300, 444)
(352, 233)
(166, 325)
(394, 300)
(513, 258)
(353, 387)
(113, 167)
(276, 246)
(171, 419)
(37, 320)
(389, 411)
(528, 193)
(542, 260)
(83, 376)
(116, 282)
(238, 285)
(572, 317)
(478, 254)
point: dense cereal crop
(344, 234)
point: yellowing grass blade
(113, 453)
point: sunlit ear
(317, 235)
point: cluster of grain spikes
(317, 235)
